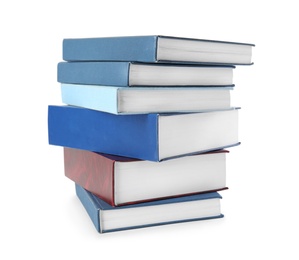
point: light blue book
(123, 100)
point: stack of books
(145, 126)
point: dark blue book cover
(152, 137)
(168, 211)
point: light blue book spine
(102, 98)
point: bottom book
(168, 211)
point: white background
(41, 218)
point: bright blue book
(168, 211)
(130, 74)
(154, 48)
(122, 100)
(152, 137)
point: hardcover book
(169, 211)
(121, 180)
(152, 137)
(155, 48)
(122, 100)
(130, 74)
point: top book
(156, 48)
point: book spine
(94, 73)
(92, 171)
(134, 136)
(134, 48)
(90, 204)
(102, 98)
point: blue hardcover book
(155, 48)
(168, 211)
(122, 100)
(130, 74)
(152, 137)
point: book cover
(122, 100)
(152, 137)
(155, 48)
(130, 74)
(169, 211)
(121, 180)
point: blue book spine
(133, 136)
(91, 204)
(101, 98)
(132, 48)
(94, 205)
(94, 73)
